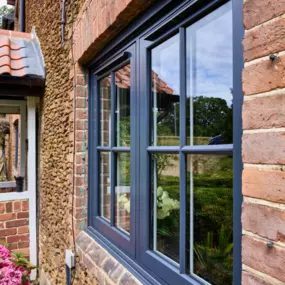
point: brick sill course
(101, 264)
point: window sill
(101, 264)
(107, 263)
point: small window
(161, 148)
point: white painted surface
(14, 196)
(32, 182)
(7, 184)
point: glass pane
(166, 205)
(210, 240)
(105, 189)
(123, 192)
(165, 93)
(11, 176)
(123, 112)
(210, 79)
(105, 111)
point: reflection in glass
(122, 79)
(105, 110)
(165, 92)
(165, 195)
(10, 153)
(105, 190)
(123, 192)
(209, 79)
(210, 240)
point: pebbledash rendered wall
(90, 25)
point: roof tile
(19, 55)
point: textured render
(63, 140)
(56, 140)
(263, 180)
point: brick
(81, 91)
(259, 11)
(264, 40)
(1, 225)
(7, 217)
(83, 241)
(8, 207)
(263, 113)
(25, 205)
(81, 103)
(22, 215)
(7, 232)
(97, 254)
(2, 208)
(264, 76)
(13, 246)
(23, 230)
(23, 244)
(18, 238)
(17, 223)
(116, 272)
(81, 113)
(17, 206)
(264, 221)
(127, 279)
(250, 279)
(264, 148)
(258, 256)
(264, 184)
(80, 79)
(109, 265)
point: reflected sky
(165, 62)
(209, 55)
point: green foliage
(213, 260)
(212, 117)
(4, 10)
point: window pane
(123, 119)
(165, 93)
(165, 195)
(105, 190)
(105, 110)
(210, 240)
(11, 166)
(209, 79)
(123, 192)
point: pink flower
(4, 252)
(10, 276)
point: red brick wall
(263, 187)
(14, 225)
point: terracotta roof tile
(20, 55)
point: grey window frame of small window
(122, 240)
(16, 127)
(149, 267)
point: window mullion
(183, 191)
(113, 158)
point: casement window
(161, 147)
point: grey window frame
(134, 252)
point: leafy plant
(15, 269)
(213, 261)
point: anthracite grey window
(161, 147)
